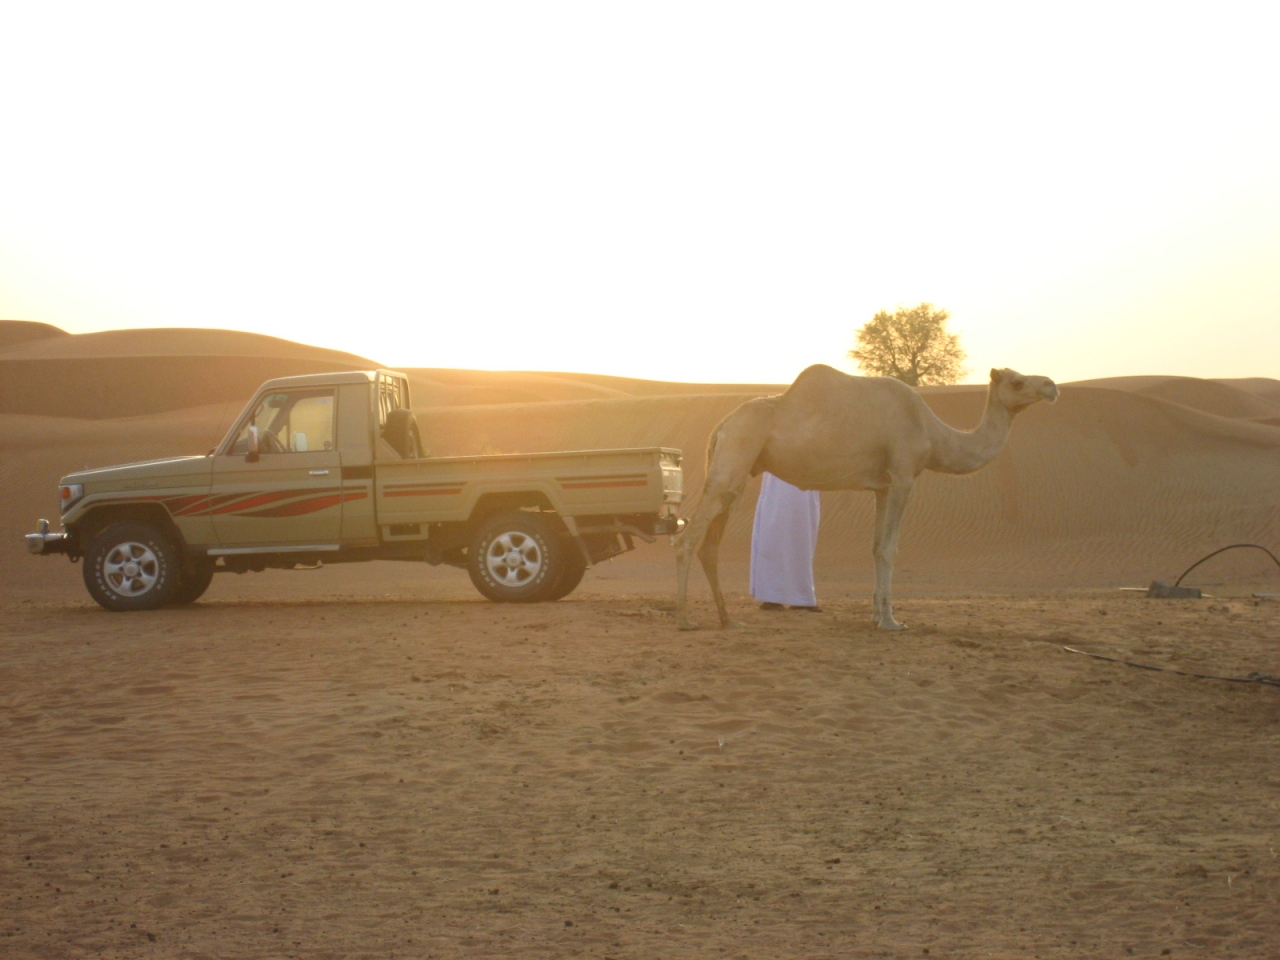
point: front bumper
(43, 543)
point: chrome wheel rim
(513, 559)
(131, 569)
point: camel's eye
(1018, 382)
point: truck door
(292, 494)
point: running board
(240, 551)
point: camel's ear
(1006, 375)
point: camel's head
(1016, 391)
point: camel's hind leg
(735, 445)
(706, 526)
(710, 557)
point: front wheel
(517, 557)
(132, 566)
(195, 581)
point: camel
(832, 431)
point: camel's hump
(820, 375)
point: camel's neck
(958, 451)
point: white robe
(783, 539)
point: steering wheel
(270, 443)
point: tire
(194, 582)
(571, 573)
(132, 566)
(401, 432)
(517, 557)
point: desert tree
(911, 345)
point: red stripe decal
(602, 476)
(299, 507)
(265, 498)
(178, 504)
(202, 505)
(606, 483)
(420, 493)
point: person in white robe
(783, 539)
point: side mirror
(252, 455)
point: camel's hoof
(892, 624)
(687, 625)
(730, 625)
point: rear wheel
(517, 557)
(195, 581)
(571, 573)
(132, 566)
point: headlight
(69, 494)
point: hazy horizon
(972, 380)
(704, 194)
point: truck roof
(324, 379)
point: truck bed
(574, 483)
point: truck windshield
(294, 422)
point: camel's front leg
(890, 505)
(686, 543)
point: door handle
(318, 473)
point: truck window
(293, 422)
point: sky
(683, 191)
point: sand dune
(574, 386)
(1264, 387)
(14, 333)
(176, 342)
(110, 387)
(1257, 398)
(127, 373)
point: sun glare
(715, 193)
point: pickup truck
(329, 468)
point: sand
(370, 761)
(448, 778)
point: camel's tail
(706, 473)
(733, 449)
(711, 447)
(741, 438)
